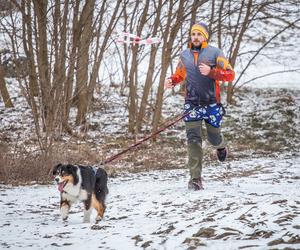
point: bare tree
(85, 83)
(177, 14)
(151, 67)
(238, 18)
(236, 43)
(3, 90)
(133, 73)
(85, 39)
(64, 45)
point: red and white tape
(129, 38)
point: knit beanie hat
(202, 28)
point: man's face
(197, 38)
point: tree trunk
(86, 26)
(132, 105)
(150, 72)
(59, 47)
(33, 86)
(220, 24)
(68, 85)
(3, 90)
(212, 16)
(42, 61)
(237, 48)
(101, 47)
(165, 59)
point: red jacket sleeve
(223, 70)
(222, 74)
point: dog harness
(94, 168)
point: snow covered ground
(249, 204)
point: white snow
(253, 201)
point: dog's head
(65, 174)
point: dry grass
(23, 167)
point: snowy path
(253, 204)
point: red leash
(110, 159)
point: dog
(81, 183)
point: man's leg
(216, 138)
(193, 132)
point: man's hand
(168, 83)
(204, 69)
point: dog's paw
(65, 218)
(98, 218)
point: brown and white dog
(81, 183)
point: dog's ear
(72, 169)
(55, 168)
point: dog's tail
(101, 185)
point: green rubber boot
(195, 166)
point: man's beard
(196, 43)
(196, 46)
